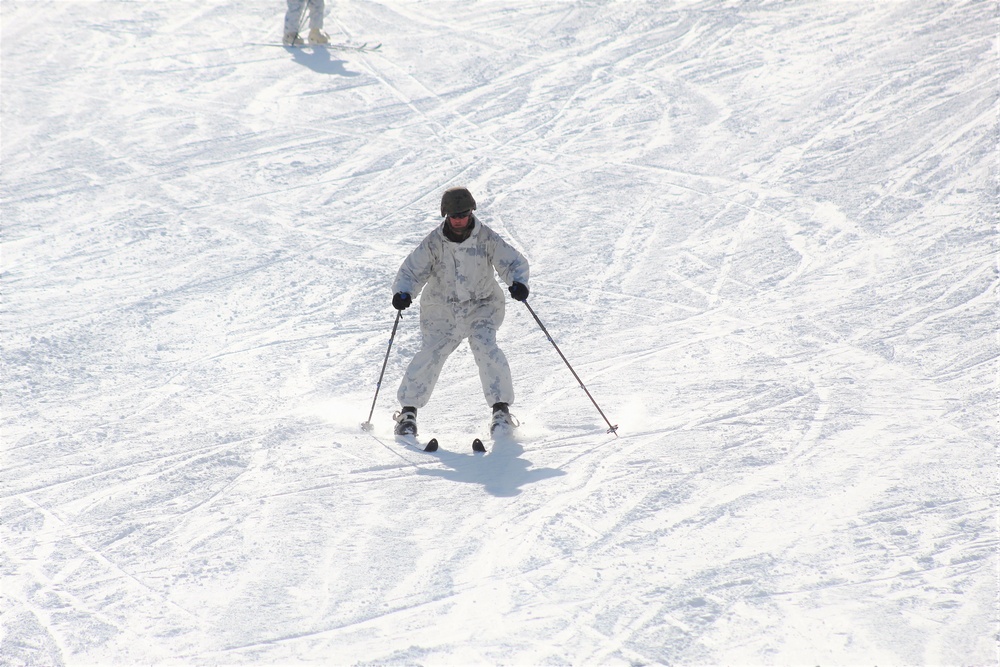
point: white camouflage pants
(293, 17)
(442, 329)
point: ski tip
(478, 446)
(432, 445)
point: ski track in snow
(764, 233)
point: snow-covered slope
(764, 234)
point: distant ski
(364, 47)
(412, 442)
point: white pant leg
(481, 323)
(438, 339)
(494, 371)
(316, 14)
(293, 16)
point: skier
(293, 20)
(454, 266)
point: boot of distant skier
(503, 424)
(317, 36)
(406, 421)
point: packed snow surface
(762, 232)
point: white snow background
(763, 233)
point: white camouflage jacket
(452, 273)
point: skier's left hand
(519, 291)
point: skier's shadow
(501, 474)
(318, 59)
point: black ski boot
(502, 425)
(406, 421)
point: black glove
(401, 300)
(519, 291)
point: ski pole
(367, 426)
(611, 429)
(302, 15)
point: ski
(411, 441)
(478, 446)
(364, 47)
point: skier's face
(459, 221)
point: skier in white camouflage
(293, 21)
(454, 271)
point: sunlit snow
(762, 232)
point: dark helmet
(457, 200)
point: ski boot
(317, 36)
(292, 39)
(406, 421)
(503, 424)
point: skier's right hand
(401, 300)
